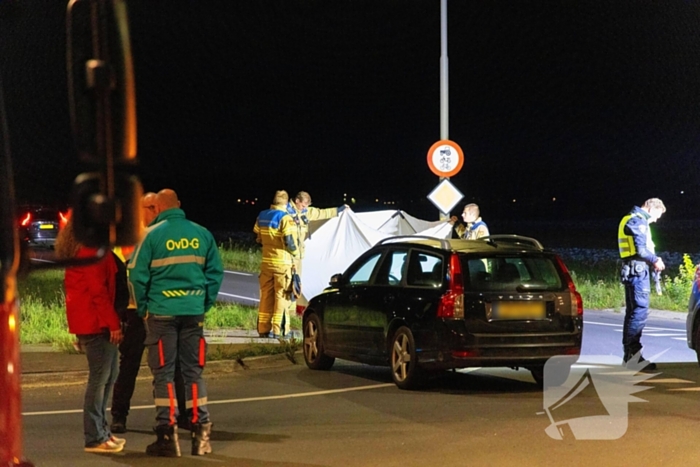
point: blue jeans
(169, 338)
(103, 364)
(637, 291)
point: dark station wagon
(420, 305)
(39, 225)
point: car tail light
(697, 276)
(62, 220)
(300, 309)
(576, 300)
(26, 220)
(452, 302)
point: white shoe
(119, 441)
(107, 447)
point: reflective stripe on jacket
(303, 217)
(176, 270)
(472, 230)
(634, 237)
(276, 232)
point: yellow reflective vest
(636, 226)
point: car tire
(404, 364)
(313, 344)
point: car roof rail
(444, 243)
(512, 239)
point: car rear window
(46, 214)
(508, 272)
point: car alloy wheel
(404, 364)
(313, 345)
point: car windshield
(522, 273)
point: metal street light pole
(444, 85)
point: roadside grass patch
(240, 257)
(43, 316)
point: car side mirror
(336, 280)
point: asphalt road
(353, 415)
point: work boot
(166, 445)
(200, 439)
(118, 424)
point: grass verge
(43, 317)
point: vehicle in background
(692, 324)
(421, 305)
(39, 225)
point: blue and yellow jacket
(176, 270)
(276, 232)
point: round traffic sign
(445, 158)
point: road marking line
(680, 338)
(239, 273)
(239, 296)
(233, 401)
(669, 381)
(646, 328)
(686, 389)
(656, 334)
(656, 328)
(601, 324)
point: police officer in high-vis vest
(638, 256)
(175, 273)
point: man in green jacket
(176, 273)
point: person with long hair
(90, 292)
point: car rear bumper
(455, 348)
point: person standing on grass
(637, 253)
(175, 274)
(276, 232)
(90, 294)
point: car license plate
(518, 310)
(46, 226)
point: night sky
(593, 103)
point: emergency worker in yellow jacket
(276, 232)
(302, 212)
(637, 254)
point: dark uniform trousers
(167, 338)
(637, 291)
(130, 355)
